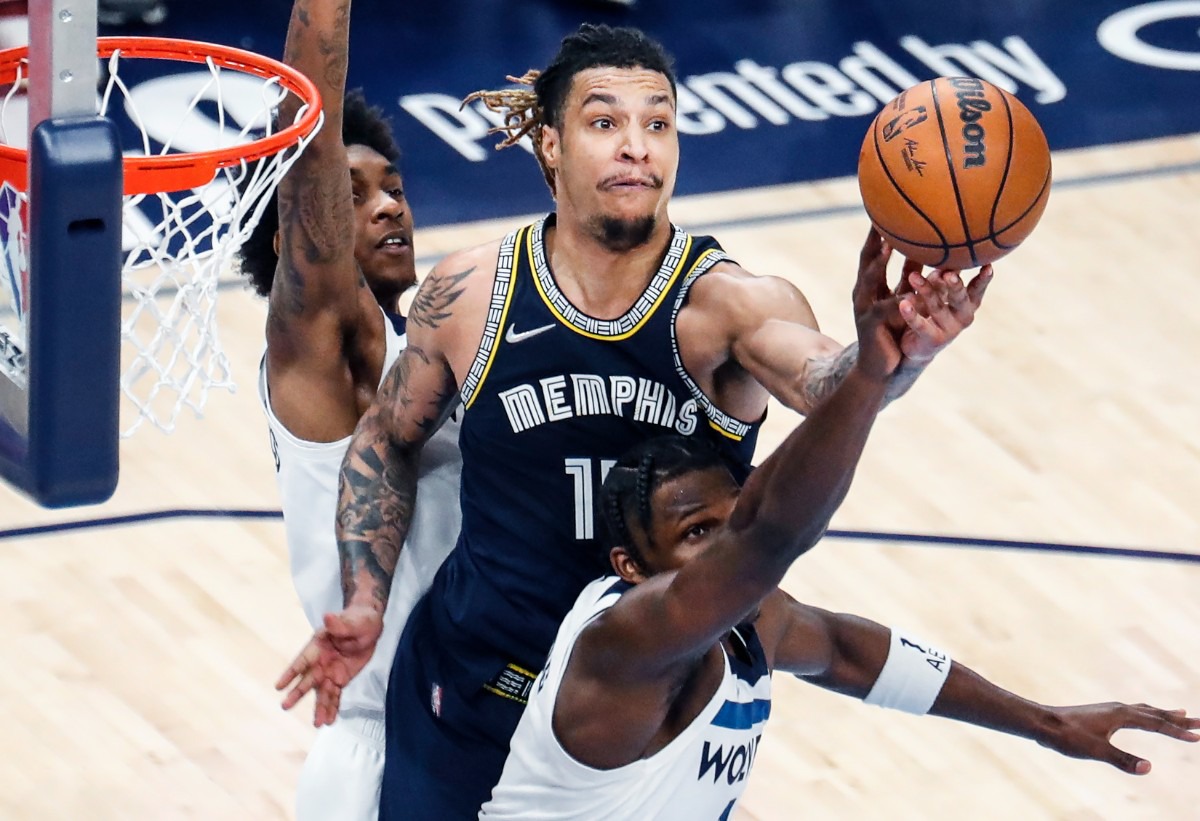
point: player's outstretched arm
(771, 332)
(782, 511)
(940, 306)
(860, 658)
(314, 293)
(939, 309)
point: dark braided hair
(362, 124)
(632, 481)
(540, 101)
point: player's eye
(696, 531)
(603, 123)
(396, 193)
(659, 125)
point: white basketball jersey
(698, 776)
(307, 473)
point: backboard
(60, 338)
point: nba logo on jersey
(435, 700)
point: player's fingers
(890, 310)
(298, 692)
(882, 291)
(1184, 720)
(910, 267)
(871, 248)
(956, 293)
(335, 674)
(1127, 762)
(979, 284)
(939, 281)
(301, 665)
(872, 280)
(1173, 723)
(921, 325)
(289, 675)
(327, 705)
(930, 289)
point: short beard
(621, 235)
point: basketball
(954, 172)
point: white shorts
(342, 774)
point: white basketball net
(176, 245)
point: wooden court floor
(139, 658)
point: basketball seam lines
(962, 212)
(1025, 213)
(883, 165)
(1004, 176)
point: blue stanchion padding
(75, 196)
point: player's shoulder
(451, 305)
(729, 288)
(460, 276)
(468, 262)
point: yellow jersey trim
(503, 694)
(612, 330)
(723, 432)
(494, 326)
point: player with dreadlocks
(568, 341)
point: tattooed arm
(317, 305)
(378, 484)
(823, 374)
(314, 295)
(767, 340)
(936, 309)
(377, 490)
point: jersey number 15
(587, 480)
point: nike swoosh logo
(514, 336)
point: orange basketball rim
(179, 171)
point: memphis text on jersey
(556, 398)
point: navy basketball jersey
(552, 399)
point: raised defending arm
(773, 335)
(941, 308)
(782, 511)
(317, 276)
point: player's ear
(627, 567)
(551, 145)
(275, 243)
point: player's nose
(635, 146)
(386, 207)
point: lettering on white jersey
(734, 762)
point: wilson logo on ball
(954, 172)
(971, 107)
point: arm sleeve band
(911, 677)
